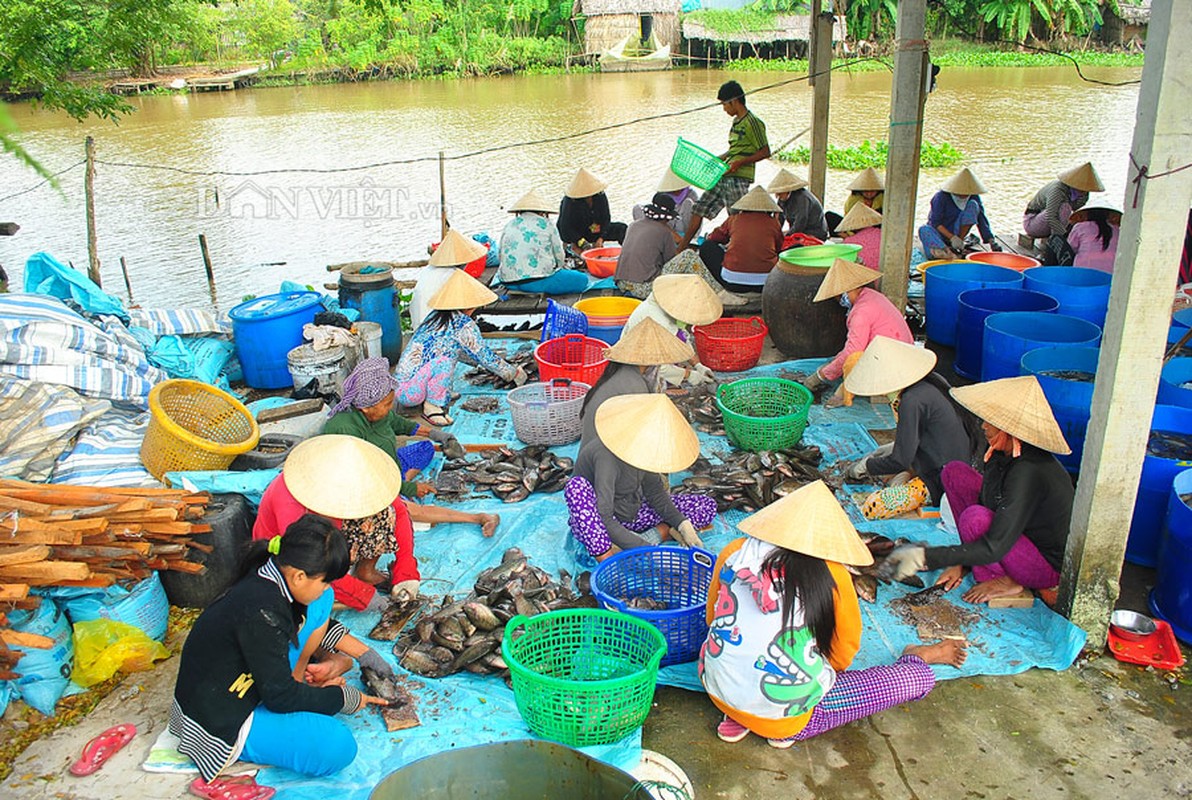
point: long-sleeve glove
(672, 374)
(378, 603)
(520, 377)
(406, 590)
(700, 374)
(956, 243)
(859, 469)
(372, 659)
(903, 562)
(813, 381)
(687, 535)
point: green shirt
(746, 137)
(383, 433)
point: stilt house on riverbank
(606, 22)
(788, 37)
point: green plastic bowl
(820, 255)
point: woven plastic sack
(895, 500)
(144, 606)
(104, 646)
(45, 673)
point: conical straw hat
(1018, 407)
(756, 199)
(810, 521)
(785, 181)
(1083, 178)
(648, 344)
(456, 250)
(647, 431)
(342, 477)
(532, 201)
(858, 217)
(688, 298)
(868, 181)
(963, 182)
(671, 182)
(461, 291)
(888, 365)
(844, 276)
(584, 184)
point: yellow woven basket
(195, 426)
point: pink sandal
(97, 751)
(240, 787)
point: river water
(1016, 127)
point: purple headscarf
(368, 385)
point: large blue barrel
(1153, 487)
(1012, 334)
(1070, 398)
(1082, 292)
(943, 284)
(1176, 373)
(266, 329)
(373, 294)
(1171, 599)
(977, 304)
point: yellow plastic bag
(104, 646)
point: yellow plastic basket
(195, 426)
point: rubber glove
(813, 381)
(520, 377)
(437, 434)
(687, 535)
(672, 374)
(700, 374)
(379, 602)
(406, 590)
(903, 562)
(859, 469)
(372, 659)
(956, 243)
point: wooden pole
(819, 66)
(906, 135)
(442, 198)
(89, 195)
(127, 282)
(1145, 271)
(207, 259)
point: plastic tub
(1153, 487)
(1011, 334)
(1081, 292)
(608, 310)
(1008, 260)
(602, 261)
(977, 304)
(943, 285)
(1171, 599)
(1070, 399)
(1175, 374)
(696, 165)
(820, 255)
(606, 333)
(266, 329)
(329, 367)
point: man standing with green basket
(747, 144)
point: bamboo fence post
(442, 198)
(89, 194)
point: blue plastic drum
(1171, 598)
(1011, 335)
(1175, 383)
(266, 329)
(943, 285)
(1070, 397)
(1081, 292)
(1158, 475)
(975, 306)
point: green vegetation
(873, 154)
(954, 54)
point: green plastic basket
(764, 413)
(583, 676)
(696, 165)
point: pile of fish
(1169, 444)
(522, 358)
(511, 475)
(481, 404)
(865, 579)
(698, 405)
(466, 634)
(749, 481)
(1078, 375)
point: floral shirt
(530, 248)
(461, 336)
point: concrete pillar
(1144, 280)
(818, 66)
(906, 133)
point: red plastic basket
(575, 356)
(730, 344)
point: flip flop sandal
(97, 751)
(230, 789)
(444, 420)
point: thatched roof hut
(788, 35)
(1128, 25)
(609, 21)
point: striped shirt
(1056, 201)
(746, 136)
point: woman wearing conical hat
(1094, 237)
(743, 250)
(428, 361)
(584, 218)
(801, 210)
(453, 252)
(863, 226)
(1049, 211)
(685, 197)
(784, 627)
(955, 209)
(930, 433)
(531, 251)
(618, 488)
(1013, 519)
(678, 303)
(868, 188)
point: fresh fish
(401, 713)
(866, 587)
(395, 617)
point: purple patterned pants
(863, 692)
(430, 382)
(589, 528)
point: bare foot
(489, 523)
(664, 531)
(367, 572)
(946, 651)
(986, 591)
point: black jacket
(578, 220)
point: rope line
(43, 182)
(1145, 174)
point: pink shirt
(1084, 240)
(872, 315)
(870, 240)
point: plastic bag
(45, 674)
(144, 606)
(104, 646)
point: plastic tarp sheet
(46, 275)
(107, 453)
(38, 423)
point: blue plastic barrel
(1082, 292)
(977, 304)
(1012, 334)
(943, 284)
(1175, 374)
(373, 294)
(266, 329)
(1171, 599)
(1153, 487)
(1070, 400)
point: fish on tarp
(395, 617)
(400, 711)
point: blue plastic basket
(677, 576)
(561, 320)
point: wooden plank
(45, 573)
(43, 537)
(25, 525)
(25, 506)
(189, 567)
(151, 515)
(23, 554)
(21, 639)
(94, 582)
(13, 591)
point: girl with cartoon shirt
(785, 626)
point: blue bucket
(1171, 599)
(1012, 334)
(977, 304)
(1082, 292)
(1175, 374)
(266, 329)
(942, 285)
(561, 319)
(612, 334)
(1153, 488)
(1070, 400)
